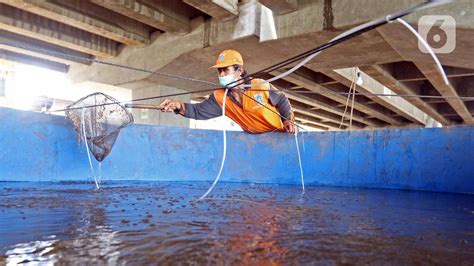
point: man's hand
(169, 105)
(289, 126)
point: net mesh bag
(100, 121)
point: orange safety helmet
(228, 58)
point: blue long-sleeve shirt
(209, 108)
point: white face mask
(226, 80)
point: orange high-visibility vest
(252, 116)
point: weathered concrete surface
(153, 57)
(207, 40)
(162, 17)
(221, 10)
(280, 7)
(29, 46)
(78, 20)
(265, 38)
(306, 27)
(37, 27)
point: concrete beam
(36, 27)
(299, 113)
(310, 121)
(30, 60)
(247, 24)
(155, 56)
(108, 16)
(446, 110)
(280, 7)
(432, 74)
(24, 45)
(298, 108)
(406, 44)
(328, 108)
(330, 120)
(407, 71)
(396, 104)
(221, 10)
(78, 20)
(164, 19)
(192, 56)
(189, 55)
(309, 84)
(309, 127)
(384, 77)
(408, 49)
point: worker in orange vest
(255, 109)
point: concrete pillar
(154, 117)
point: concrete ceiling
(184, 37)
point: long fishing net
(98, 119)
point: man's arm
(281, 103)
(200, 111)
(207, 109)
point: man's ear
(240, 71)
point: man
(255, 109)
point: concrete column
(154, 117)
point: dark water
(155, 223)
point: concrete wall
(154, 117)
(39, 147)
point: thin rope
(309, 54)
(280, 115)
(348, 98)
(352, 106)
(132, 101)
(368, 94)
(299, 159)
(224, 152)
(345, 108)
(356, 31)
(224, 99)
(340, 38)
(361, 29)
(428, 47)
(93, 60)
(463, 98)
(309, 58)
(87, 148)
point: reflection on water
(144, 223)
(38, 252)
(95, 242)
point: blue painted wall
(40, 147)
